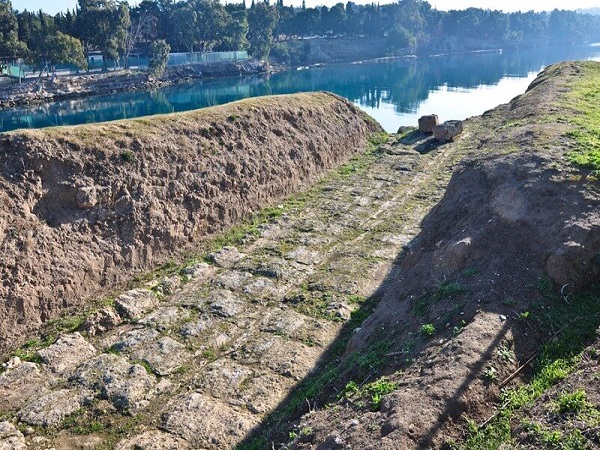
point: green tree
(184, 26)
(65, 49)
(102, 24)
(261, 20)
(159, 56)
(399, 37)
(10, 45)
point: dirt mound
(89, 206)
(515, 236)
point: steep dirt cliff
(89, 206)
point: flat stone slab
(259, 391)
(288, 358)
(260, 287)
(233, 279)
(153, 440)
(135, 303)
(21, 383)
(195, 271)
(225, 303)
(165, 355)
(10, 437)
(225, 257)
(130, 340)
(206, 422)
(67, 353)
(305, 256)
(197, 327)
(52, 408)
(165, 318)
(283, 322)
(115, 379)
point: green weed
(572, 403)
(558, 357)
(427, 329)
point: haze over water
(394, 92)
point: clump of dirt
(89, 206)
(516, 227)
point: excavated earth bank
(87, 207)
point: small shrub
(490, 374)
(428, 329)
(572, 403)
(127, 156)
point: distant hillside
(593, 11)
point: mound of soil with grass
(492, 276)
(90, 206)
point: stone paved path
(199, 359)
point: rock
(224, 303)
(164, 318)
(302, 255)
(135, 303)
(10, 437)
(226, 257)
(448, 130)
(195, 271)
(11, 363)
(87, 197)
(165, 356)
(101, 321)
(233, 279)
(52, 408)
(404, 129)
(260, 287)
(428, 123)
(340, 310)
(132, 339)
(153, 440)
(206, 422)
(67, 353)
(115, 379)
(19, 384)
(169, 285)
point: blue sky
(54, 6)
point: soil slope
(88, 206)
(514, 239)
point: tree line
(117, 30)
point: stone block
(428, 123)
(448, 130)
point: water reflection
(393, 92)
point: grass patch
(557, 359)
(572, 403)
(372, 392)
(584, 99)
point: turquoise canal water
(394, 92)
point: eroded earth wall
(88, 206)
